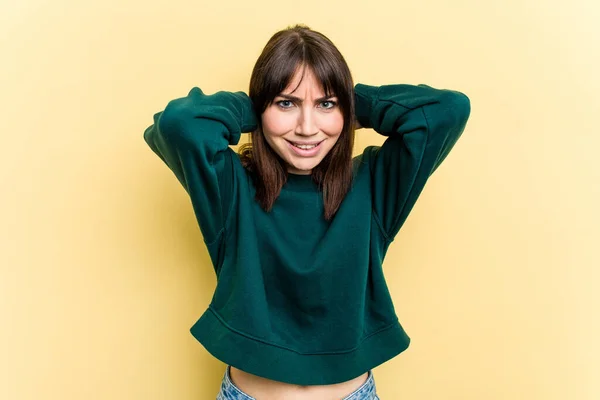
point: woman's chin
(302, 168)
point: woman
(296, 228)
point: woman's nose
(306, 124)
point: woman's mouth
(304, 150)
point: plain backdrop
(102, 266)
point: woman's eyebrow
(299, 100)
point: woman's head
(303, 91)
(303, 123)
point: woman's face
(303, 118)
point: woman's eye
(284, 103)
(328, 104)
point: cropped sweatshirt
(300, 299)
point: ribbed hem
(285, 365)
(365, 98)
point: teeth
(305, 147)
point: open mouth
(305, 150)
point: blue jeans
(229, 391)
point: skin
(267, 389)
(309, 118)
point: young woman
(297, 228)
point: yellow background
(103, 271)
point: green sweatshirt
(300, 299)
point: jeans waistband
(367, 391)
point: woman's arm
(422, 124)
(192, 136)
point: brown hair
(285, 53)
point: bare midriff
(266, 389)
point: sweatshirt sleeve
(192, 137)
(422, 124)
